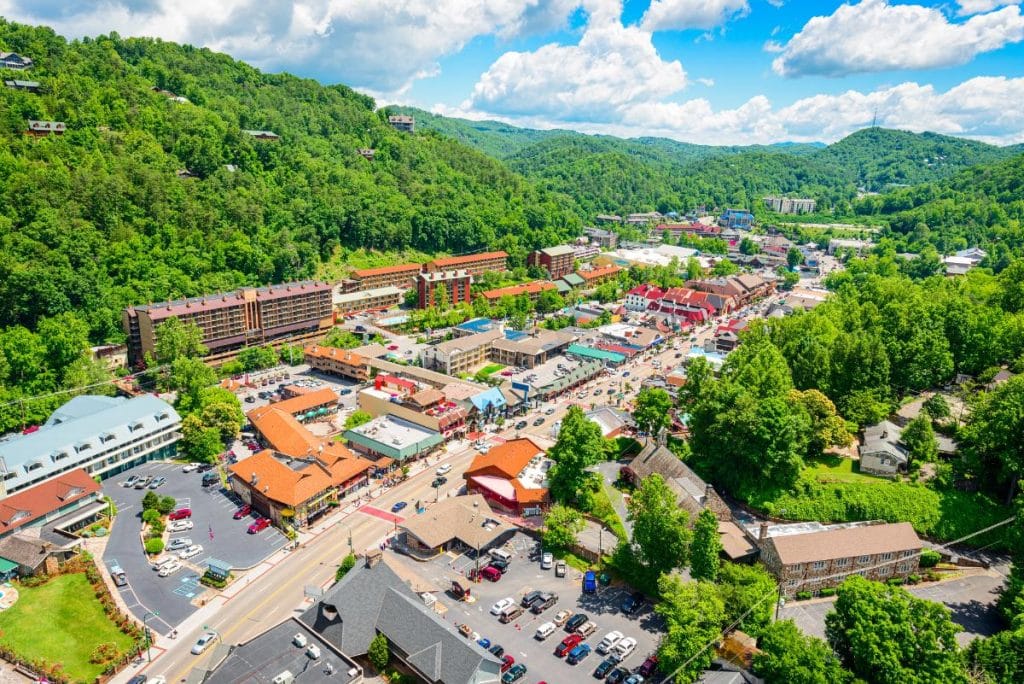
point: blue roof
(78, 432)
(477, 325)
(492, 398)
(515, 335)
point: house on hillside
(263, 135)
(30, 86)
(12, 60)
(692, 493)
(882, 452)
(41, 129)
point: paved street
(971, 600)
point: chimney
(708, 490)
(373, 556)
(763, 532)
(254, 479)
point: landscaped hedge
(154, 545)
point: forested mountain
(608, 174)
(103, 216)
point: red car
(243, 511)
(259, 526)
(507, 661)
(180, 514)
(568, 643)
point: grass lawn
(840, 469)
(489, 370)
(61, 622)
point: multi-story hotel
(342, 362)
(474, 264)
(401, 275)
(377, 299)
(255, 315)
(531, 290)
(456, 283)
(557, 261)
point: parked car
(561, 617)
(510, 614)
(250, 400)
(138, 679)
(514, 674)
(590, 582)
(635, 678)
(179, 543)
(544, 631)
(597, 392)
(546, 561)
(491, 573)
(189, 467)
(529, 598)
(245, 510)
(204, 467)
(568, 643)
(399, 506)
(180, 514)
(345, 391)
(169, 569)
(543, 603)
(203, 643)
(157, 482)
(497, 650)
(624, 648)
(444, 469)
(632, 603)
(501, 564)
(587, 628)
(142, 482)
(180, 526)
(617, 676)
(507, 662)
(578, 654)
(549, 411)
(191, 552)
(258, 526)
(649, 666)
(605, 667)
(117, 573)
(575, 621)
(538, 421)
(609, 640)
(502, 605)
(130, 482)
(560, 569)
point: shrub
(379, 652)
(895, 581)
(150, 515)
(827, 591)
(932, 576)
(803, 595)
(913, 579)
(166, 504)
(347, 563)
(929, 558)
(154, 546)
(150, 500)
(215, 582)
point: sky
(704, 71)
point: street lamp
(145, 628)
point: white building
(790, 205)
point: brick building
(474, 264)
(531, 290)
(596, 276)
(341, 362)
(254, 315)
(377, 299)
(401, 275)
(557, 261)
(456, 283)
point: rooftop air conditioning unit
(285, 677)
(299, 640)
(313, 652)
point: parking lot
(517, 638)
(214, 527)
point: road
(278, 593)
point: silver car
(180, 543)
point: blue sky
(714, 71)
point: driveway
(971, 600)
(517, 638)
(214, 528)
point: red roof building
(475, 264)
(643, 297)
(596, 276)
(531, 290)
(510, 476)
(47, 500)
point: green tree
(724, 267)
(176, 340)
(936, 406)
(884, 634)
(347, 563)
(991, 442)
(794, 257)
(694, 271)
(579, 446)
(189, 378)
(150, 515)
(550, 301)
(150, 500)
(220, 408)
(706, 547)
(166, 504)
(746, 588)
(442, 298)
(154, 546)
(357, 418)
(561, 526)
(919, 439)
(651, 410)
(693, 615)
(255, 358)
(788, 655)
(998, 659)
(748, 246)
(827, 428)
(199, 442)
(661, 533)
(379, 652)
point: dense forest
(104, 215)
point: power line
(668, 679)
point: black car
(605, 667)
(204, 468)
(500, 564)
(438, 481)
(138, 679)
(497, 650)
(530, 598)
(539, 421)
(520, 425)
(632, 603)
(617, 676)
(575, 621)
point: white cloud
(969, 7)
(974, 109)
(383, 46)
(666, 15)
(612, 67)
(876, 36)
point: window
(137, 425)
(863, 559)
(842, 562)
(106, 437)
(10, 476)
(818, 565)
(886, 556)
(84, 446)
(34, 465)
(58, 456)
(163, 415)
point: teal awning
(7, 566)
(310, 415)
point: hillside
(100, 217)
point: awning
(498, 485)
(7, 566)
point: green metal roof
(573, 279)
(6, 565)
(562, 287)
(591, 353)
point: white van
(501, 554)
(544, 631)
(166, 560)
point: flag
(211, 532)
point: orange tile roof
(400, 268)
(44, 498)
(468, 259)
(525, 495)
(535, 287)
(598, 272)
(283, 432)
(506, 460)
(278, 482)
(334, 353)
(297, 405)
